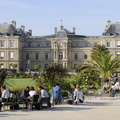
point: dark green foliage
(3, 74)
(53, 74)
(99, 50)
(37, 67)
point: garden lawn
(19, 82)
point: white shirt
(33, 92)
(78, 94)
(44, 94)
(5, 94)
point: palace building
(64, 47)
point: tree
(69, 67)
(99, 50)
(103, 65)
(37, 67)
(52, 75)
(14, 66)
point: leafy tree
(103, 66)
(3, 74)
(99, 50)
(14, 66)
(52, 75)
(69, 67)
(37, 67)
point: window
(36, 56)
(108, 43)
(95, 44)
(1, 43)
(55, 45)
(55, 54)
(75, 66)
(86, 44)
(65, 64)
(48, 44)
(75, 56)
(46, 56)
(60, 55)
(65, 45)
(1, 55)
(11, 43)
(29, 44)
(27, 56)
(118, 53)
(85, 56)
(46, 65)
(60, 65)
(38, 45)
(11, 55)
(26, 66)
(118, 43)
(65, 54)
(76, 44)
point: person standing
(57, 93)
(78, 95)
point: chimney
(109, 22)
(30, 31)
(23, 28)
(74, 29)
(108, 25)
(55, 30)
(14, 23)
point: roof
(64, 33)
(10, 30)
(114, 29)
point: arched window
(75, 66)
(26, 66)
(46, 65)
(60, 55)
(60, 65)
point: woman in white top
(32, 91)
(78, 95)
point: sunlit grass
(19, 82)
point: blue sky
(89, 17)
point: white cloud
(17, 4)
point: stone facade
(63, 47)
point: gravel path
(91, 109)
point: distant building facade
(63, 47)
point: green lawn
(19, 82)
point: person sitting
(44, 96)
(106, 87)
(32, 92)
(78, 95)
(115, 89)
(5, 95)
(24, 95)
